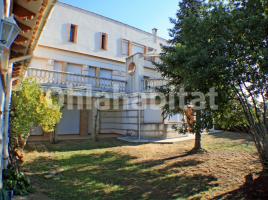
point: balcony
(151, 85)
(51, 78)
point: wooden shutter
(145, 50)
(75, 33)
(130, 48)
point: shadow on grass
(75, 145)
(113, 176)
(256, 190)
(152, 163)
(233, 136)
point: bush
(17, 182)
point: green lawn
(112, 169)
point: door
(70, 122)
(74, 78)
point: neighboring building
(30, 16)
(78, 49)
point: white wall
(75, 58)
(54, 42)
(90, 27)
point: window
(150, 50)
(146, 82)
(138, 48)
(90, 75)
(106, 78)
(105, 73)
(104, 41)
(92, 71)
(73, 33)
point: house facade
(103, 70)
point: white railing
(51, 78)
(151, 85)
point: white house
(78, 50)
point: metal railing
(51, 78)
(151, 85)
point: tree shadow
(76, 145)
(113, 176)
(233, 136)
(184, 163)
(255, 190)
(152, 163)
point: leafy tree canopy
(31, 107)
(223, 44)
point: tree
(226, 47)
(175, 62)
(31, 107)
(231, 117)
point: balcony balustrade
(151, 85)
(51, 78)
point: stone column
(135, 79)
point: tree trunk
(265, 157)
(53, 137)
(197, 144)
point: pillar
(84, 118)
(94, 119)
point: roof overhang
(31, 17)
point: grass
(112, 169)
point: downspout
(7, 107)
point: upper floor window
(137, 48)
(104, 41)
(73, 33)
(151, 50)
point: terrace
(52, 78)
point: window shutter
(124, 47)
(75, 33)
(105, 41)
(69, 32)
(129, 48)
(145, 50)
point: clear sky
(143, 14)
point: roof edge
(114, 20)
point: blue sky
(143, 14)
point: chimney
(154, 32)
